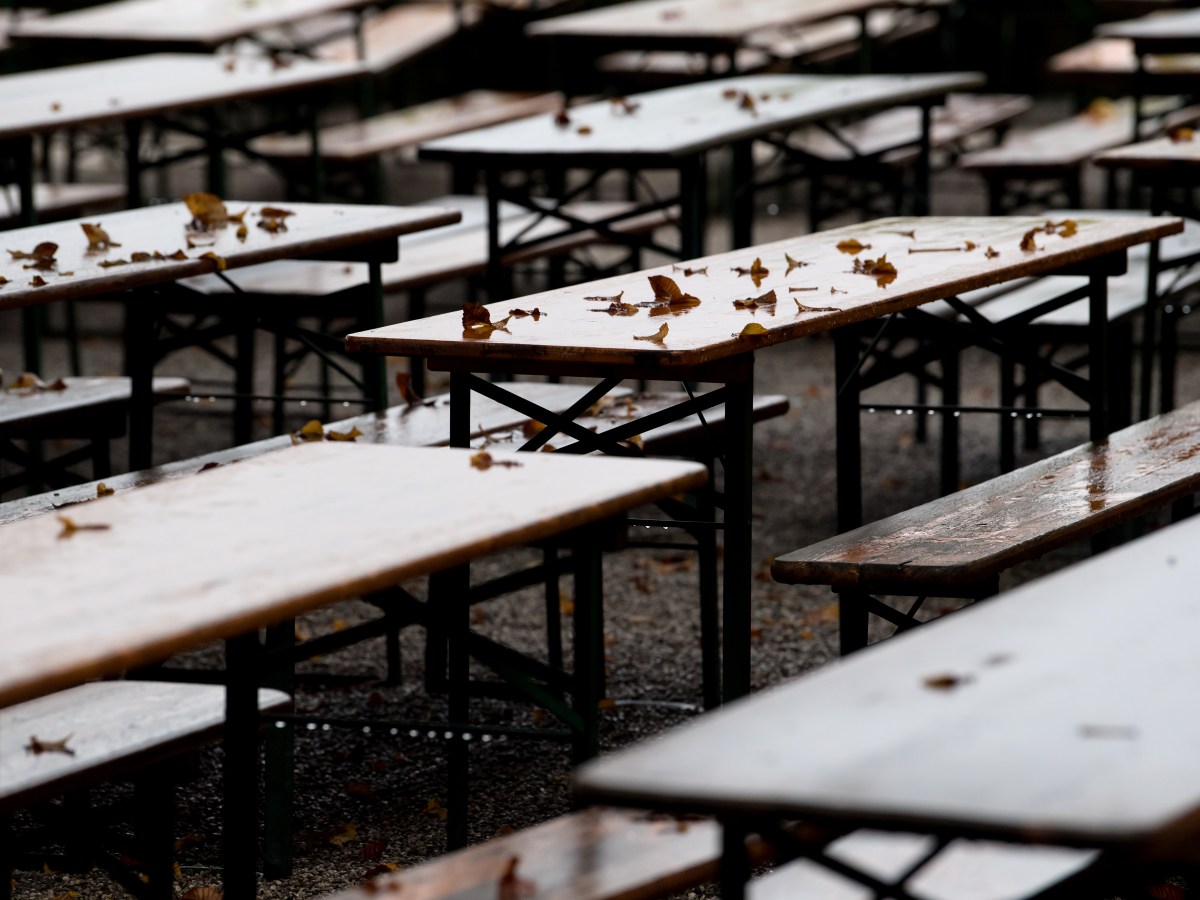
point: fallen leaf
(270, 212)
(511, 886)
(767, 300)
(584, 129)
(669, 296)
(356, 788)
(242, 233)
(477, 321)
(880, 269)
(911, 235)
(614, 299)
(109, 263)
(343, 834)
(433, 807)
(70, 526)
(616, 308)
(103, 490)
(757, 271)
(746, 101)
(561, 119)
(703, 270)
(381, 869)
(97, 237)
(404, 385)
(312, 430)
(37, 281)
(188, 841)
(1181, 135)
(658, 337)
(754, 329)
(991, 253)
(352, 435)
(534, 313)
(624, 106)
(484, 461)
(208, 211)
(37, 748)
(800, 307)
(945, 681)
(852, 247)
(606, 703)
(219, 260)
(1067, 228)
(792, 264)
(834, 290)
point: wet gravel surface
(369, 800)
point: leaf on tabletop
(669, 297)
(208, 211)
(273, 219)
(484, 461)
(477, 321)
(834, 290)
(766, 301)
(37, 748)
(616, 308)
(512, 886)
(97, 237)
(70, 527)
(584, 129)
(754, 329)
(3, 281)
(242, 233)
(852, 247)
(562, 119)
(1067, 228)
(614, 299)
(746, 102)
(703, 270)
(352, 435)
(534, 313)
(968, 246)
(911, 235)
(991, 253)
(178, 256)
(800, 307)
(623, 106)
(38, 281)
(880, 269)
(103, 490)
(41, 257)
(757, 271)
(945, 681)
(29, 381)
(658, 337)
(342, 834)
(110, 263)
(1181, 135)
(312, 430)
(792, 264)
(218, 260)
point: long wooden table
(352, 233)
(1051, 714)
(675, 129)
(705, 343)
(166, 568)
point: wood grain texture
(197, 559)
(1160, 153)
(659, 21)
(979, 532)
(436, 255)
(595, 854)
(313, 229)
(681, 121)
(114, 728)
(29, 408)
(139, 87)
(404, 128)
(427, 425)
(174, 23)
(572, 329)
(1064, 726)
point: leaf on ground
(205, 892)
(658, 337)
(381, 869)
(433, 807)
(687, 273)
(404, 385)
(342, 834)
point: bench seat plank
(976, 533)
(22, 410)
(589, 855)
(399, 34)
(113, 729)
(61, 201)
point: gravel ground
(390, 789)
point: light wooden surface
(23, 408)
(174, 23)
(429, 257)
(392, 36)
(1168, 28)
(313, 229)
(688, 20)
(143, 86)
(1063, 143)
(405, 128)
(188, 561)
(680, 121)
(1115, 57)
(571, 331)
(1021, 515)
(594, 854)
(1160, 153)
(53, 201)
(111, 727)
(1064, 725)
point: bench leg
(553, 601)
(588, 684)
(852, 621)
(239, 833)
(950, 475)
(449, 601)
(6, 862)
(154, 791)
(710, 601)
(281, 761)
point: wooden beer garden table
(706, 343)
(171, 566)
(1050, 715)
(675, 129)
(352, 233)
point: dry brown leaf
(38, 281)
(880, 269)
(945, 681)
(624, 106)
(1181, 135)
(103, 490)
(343, 834)
(70, 527)
(373, 849)
(219, 260)
(756, 271)
(97, 237)
(37, 748)
(208, 211)
(765, 301)
(376, 871)
(477, 321)
(792, 264)
(991, 253)
(205, 892)
(534, 313)
(800, 307)
(616, 298)
(562, 119)
(668, 292)
(616, 308)
(703, 270)
(852, 247)
(753, 330)
(109, 263)
(352, 435)
(242, 233)
(658, 337)
(312, 430)
(484, 461)
(584, 129)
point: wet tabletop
(1159, 153)
(1050, 714)
(142, 86)
(933, 257)
(731, 20)
(80, 270)
(1171, 27)
(241, 546)
(684, 120)
(198, 23)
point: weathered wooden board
(574, 329)
(680, 121)
(174, 23)
(313, 229)
(143, 86)
(1051, 714)
(985, 529)
(196, 559)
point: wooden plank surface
(394, 36)
(112, 728)
(1057, 720)
(588, 855)
(1108, 57)
(313, 229)
(174, 23)
(1160, 153)
(987, 528)
(1174, 28)
(684, 21)
(1055, 145)
(188, 561)
(572, 331)
(680, 121)
(143, 86)
(26, 407)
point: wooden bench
(1057, 152)
(340, 290)
(398, 34)
(1109, 64)
(61, 201)
(958, 546)
(94, 410)
(111, 730)
(603, 853)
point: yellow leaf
(754, 329)
(219, 260)
(208, 210)
(658, 337)
(97, 237)
(351, 435)
(343, 834)
(312, 430)
(103, 490)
